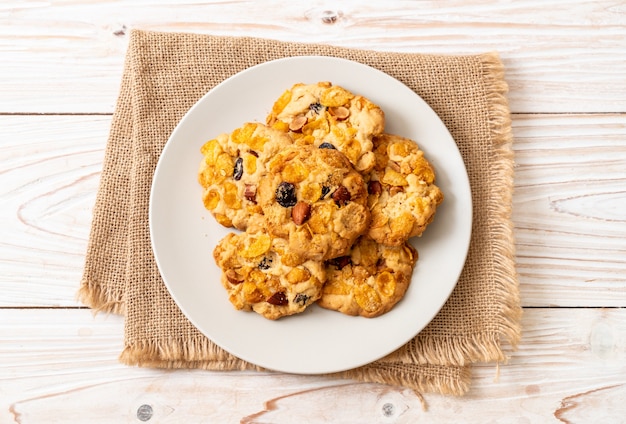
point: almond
(301, 213)
(233, 277)
(395, 190)
(339, 112)
(250, 192)
(278, 299)
(340, 261)
(374, 188)
(297, 123)
(393, 165)
(341, 196)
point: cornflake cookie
(403, 198)
(260, 274)
(315, 199)
(231, 169)
(370, 280)
(328, 114)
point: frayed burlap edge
(91, 294)
(500, 223)
(194, 353)
(173, 353)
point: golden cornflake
(231, 196)
(282, 101)
(336, 96)
(367, 298)
(259, 244)
(211, 199)
(249, 164)
(386, 283)
(295, 172)
(394, 178)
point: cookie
(315, 199)
(403, 197)
(370, 280)
(260, 274)
(232, 166)
(328, 114)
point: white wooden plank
(561, 56)
(570, 209)
(48, 181)
(60, 365)
(570, 224)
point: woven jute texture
(166, 73)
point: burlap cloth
(166, 73)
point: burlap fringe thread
(178, 353)
(92, 295)
(500, 223)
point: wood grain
(569, 367)
(48, 183)
(569, 209)
(570, 57)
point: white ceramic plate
(184, 234)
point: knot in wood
(388, 409)
(144, 412)
(329, 16)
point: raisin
(278, 298)
(325, 191)
(253, 153)
(286, 195)
(238, 171)
(301, 299)
(327, 145)
(265, 263)
(316, 108)
(340, 261)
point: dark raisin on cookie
(265, 263)
(325, 191)
(316, 108)
(286, 195)
(327, 145)
(238, 171)
(301, 299)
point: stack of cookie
(325, 202)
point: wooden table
(60, 68)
